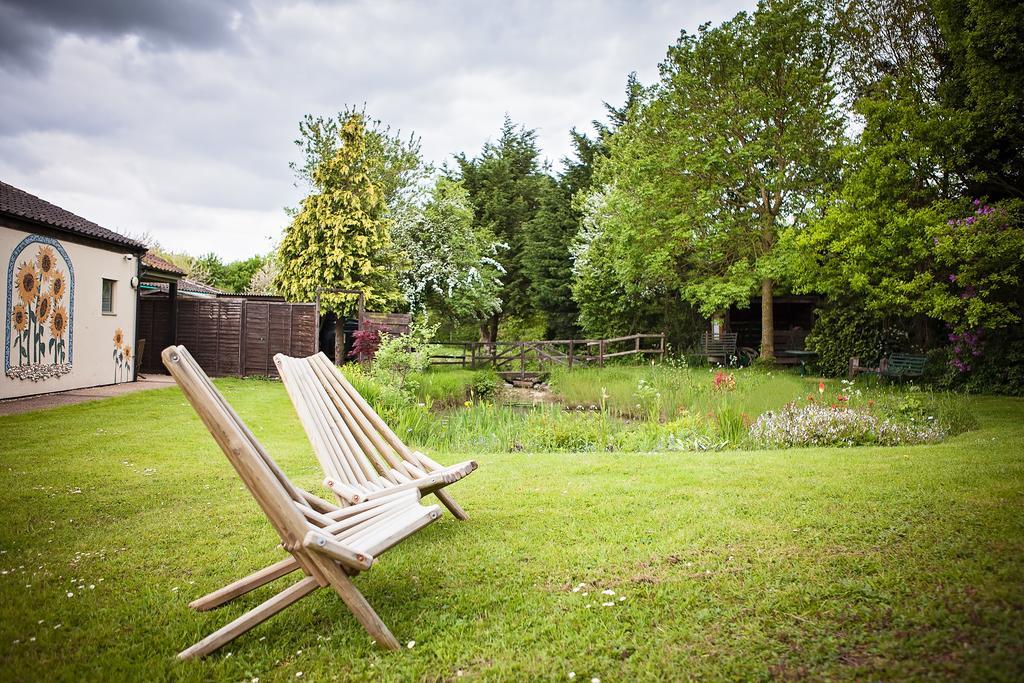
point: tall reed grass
(631, 409)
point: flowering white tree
(262, 281)
(452, 268)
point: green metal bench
(902, 365)
(896, 365)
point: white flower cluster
(820, 425)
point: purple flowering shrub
(816, 424)
(977, 261)
(965, 347)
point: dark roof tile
(21, 204)
(154, 262)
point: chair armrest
(323, 544)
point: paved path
(64, 398)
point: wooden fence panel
(191, 329)
(304, 339)
(229, 336)
(516, 357)
(395, 324)
(256, 324)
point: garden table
(802, 356)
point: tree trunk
(494, 329)
(767, 321)
(339, 340)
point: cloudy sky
(177, 117)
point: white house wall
(91, 356)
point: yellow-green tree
(340, 236)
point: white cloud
(191, 141)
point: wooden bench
(720, 346)
(896, 365)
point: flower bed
(822, 425)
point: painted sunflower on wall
(27, 283)
(19, 318)
(58, 284)
(122, 357)
(59, 322)
(46, 259)
(43, 308)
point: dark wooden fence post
(172, 319)
(316, 316)
(572, 349)
(242, 336)
(600, 348)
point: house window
(108, 296)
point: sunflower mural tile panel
(122, 357)
(40, 310)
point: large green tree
(731, 148)
(547, 261)
(898, 240)
(233, 276)
(504, 184)
(392, 161)
(340, 236)
(981, 58)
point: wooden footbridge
(522, 361)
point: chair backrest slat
(341, 457)
(356, 445)
(321, 448)
(348, 444)
(369, 417)
(370, 442)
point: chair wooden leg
(358, 605)
(243, 586)
(252, 618)
(449, 502)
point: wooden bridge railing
(547, 353)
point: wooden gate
(233, 337)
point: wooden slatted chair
(329, 544)
(361, 456)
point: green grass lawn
(862, 563)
